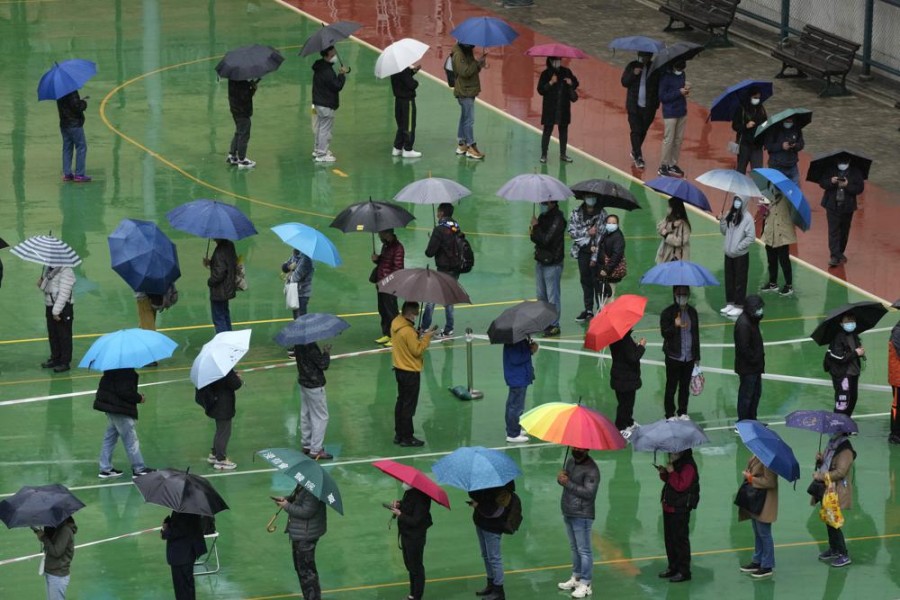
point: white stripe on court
(85, 545)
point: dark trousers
(387, 310)
(305, 565)
(780, 255)
(59, 333)
(407, 400)
(895, 412)
(183, 581)
(678, 542)
(678, 377)
(588, 278)
(845, 400)
(405, 116)
(221, 315)
(836, 540)
(563, 138)
(639, 121)
(624, 409)
(838, 232)
(736, 270)
(749, 393)
(241, 137)
(749, 154)
(220, 439)
(303, 305)
(413, 558)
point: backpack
(448, 71)
(462, 256)
(513, 515)
(161, 302)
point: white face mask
(406, 487)
(755, 101)
(681, 300)
(677, 72)
(843, 166)
(610, 227)
(555, 63)
(738, 204)
(544, 209)
(849, 327)
(333, 59)
(759, 312)
(788, 125)
(590, 201)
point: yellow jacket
(406, 347)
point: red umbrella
(558, 50)
(614, 321)
(415, 478)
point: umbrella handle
(207, 247)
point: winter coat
(610, 252)
(778, 229)
(240, 97)
(390, 259)
(674, 104)
(311, 365)
(184, 538)
(625, 372)
(580, 492)
(117, 393)
(518, 370)
(548, 236)
(59, 549)
(442, 245)
(407, 348)
(745, 113)
(58, 284)
(467, 69)
(579, 224)
(855, 186)
(327, 85)
(762, 479)
(404, 84)
(681, 487)
(556, 107)
(672, 334)
(633, 83)
(415, 515)
(222, 272)
(894, 357)
(749, 352)
(841, 359)
(218, 398)
(301, 274)
(676, 240)
(775, 137)
(840, 472)
(738, 237)
(307, 521)
(71, 110)
(493, 507)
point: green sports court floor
(158, 130)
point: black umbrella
(518, 322)
(609, 193)
(371, 217)
(39, 506)
(867, 315)
(424, 285)
(669, 54)
(249, 62)
(3, 244)
(896, 304)
(820, 163)
(328, 36)
(181, 491)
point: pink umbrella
(559, 50)
(415, 478)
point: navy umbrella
(820, 163)
(725, 104)
(143, 256)
(867, 315)
(682, 189)
(769, 448)
(211, 219)
(249, 62)
(64, 78)
(39, 506)
(678, 50)
(328, 36)
(310, 328)
(637, 43)
(485, 32)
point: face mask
(681, 300)
(406, 487)
(843, 166)
(678, 72)
(755, 101)
(610, 227)
(788, 125)
(738, 204)
(590, 201)
(333, 59)
(555, 63)
(544, 209)
(759, 312)
(849, 327)
(578, 455)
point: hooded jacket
(407, 348)
(518, 370)
(548, 236)
(404, 84)
(390, 259)
(633, 83)
(739, 237)
(580, 223)
(218, 398)
(467, 69)
(625, 372)
(59, 549)
(117, 393)
(745, 113)
(71, 110)
(222, 272)
(311, 365)
(240, 97)
(556, 105)
(441, 245)
(58, 284)
(579, 495)
(327, 85)
(749, 351)
(841, 359)
(674, 104)
(778, 229)
(855, 187)
(307, 521)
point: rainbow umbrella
(572, 425)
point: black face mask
(578, 455)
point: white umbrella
(535, 188)
(732, 181)
(218, 356)
(46, 250)
(432, 190)
(399, 55)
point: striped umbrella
(46, 250)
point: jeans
(221, 315)
(625, 409)
(405, 116)
(313, 418)
(56, 586)
(408, 383)
(673, 136)
(220, 439)
(121, 426)
(324, 125)
(59, 334)
(241, 137)
(563, 138)
(515, 406)
(836, 540)
(579, 531)
(304, 554)
(547, 278)
(838, 232)
(780, 256)
(749, 393)
(465, 132)
(448, 309)
(73, 139)
(639, 122)
(678, 377)
(414, 560)
(490, 552)
(845, 400)
(736, 270)
(764, 547)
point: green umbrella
(801, 117)
(307, 473)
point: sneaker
(211, 459)
(411, 442)
(306, 450)
(569, 584)
(224, 465)
(842, 560)
(544, 162)
(761, 573)
(625, 433)
(231, 160)
(639, 163)
(735, 311)
(843, 258)
(411, 154)
(835, 261)
(462, 148)
(383, 339)
(48, 364)
(325, 158)
(585, 315)
(582, 591)
(321, 455)
(109, 474)
(894, 439)
(787, 290)
(750, 568)
(828, 555)
(82, 178)
(769, 287)
(245, 163)
(675, 171)
(663, 170)
(396, 151)
(292, 353)
(388, 344)
(736, 431)
(552, 331)
(61, 368)
(142, 472)
(474, 152)
(566, 159)
(445, 333)
(518, 439)
(684, 417)
(724, 310)
(68, 177)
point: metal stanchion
(475, 394)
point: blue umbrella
(476, 468)
(726, 103)
(667, 436)
(311, 242)
(773, 183)
(306, 473)
(485, 32)
(679, 272)
(145, 258)
(638, 43)
(127, 349)
(769, 448)
(310, 328)
(64, 78)
(682, 189)
(211, 219)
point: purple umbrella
(821, 421)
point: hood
(321, 65)
(752, 304)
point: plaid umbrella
(46, 250)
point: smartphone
(276, 499)
(387, 505)
(470, 502)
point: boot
(497, 594)
(487, 590)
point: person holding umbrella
(218, 401)
(674, 90)
(413, 514)
(547, 233)
(326, 89)
(679, 325)
(518, 372)
(625, 379)
(680, 495)
(300, 270)
(836, 463)
(118, 397)
(778, 234)
(641, 102)
(183, 533)
(749, 358)
(407, 352)
(586, 228)
(580, 480)
(842, 362)
(490, 509)
(240, 102)
(307, 523)
(784, 143)
(312, 362)
(738, 228)
(58, 285)
(842, 183)
(765, 481)
(221, 282)
(403, 85)
(748, 115)
(466, 88)
(390, 259)
(58, 544)
(675, 231)
(557, 85)
(71, 109)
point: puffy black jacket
(556, 106)
(415, 514)
(307, 521)
(610, 253)
(218, 398)
(855, 187)
(222, 271)
(625, 373)
(633, 83)
(749, 352)
(549, 237)
(841, 359)
(442, 246)
(240, 97)
(672, 334)
(327, 84)
(184, 538)
(580, 493)
(493, 507)
(71, 110)
(404, 84)
(311, 365)
(118, 393)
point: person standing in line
(778, 234)
(443, 249)
(842, 362)
(58, 285)
(749, 114)
(641, 102)
(59, 549)
(675, 231)
(300, 270)
(404, 85)
(586, 228)
(674, 90)
(183, 533)
(389, 260)
(326, 90)
(407, 352)
(836, 462)
(557, 84)
(466, 88)
(547, 233)
(146, 314)
(625, 379)
(490, 509)
(218, 400)
(240, 101)
(118, 397)
(311, 366)
(413, 513)
(894, 382)
(784, 144)
(607, 258)
(518, 371)
(740, 233)
(680, 329)
(221, 282)
(680, 495)
(580, 481)
(749, 358)
(71, 109)
(842, 183)
(759, 476)
(307, 523)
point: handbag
(291, 295)
(733, 147)
(240, 276)
(816, 489)
(698, 380)
(620, 271)
(830, 512)
(41, 566)
(751, 499)
(573, 95)
(373, 276)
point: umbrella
(307, 473)
(398, 56)
(143, 256)
(127, 349)
(432, 190)
(730, 181)
(801, 117)
(609, 193)
(371, 216)
(726, 103)
(824, 161)
(534, 188)
(867, 315)
(310, 328)
(310, 241)
(181, 491)
(637, 43)
(424, 285)
(3, 244)
(572, 425)
(249, 62)
(678, 50)
(65, 77)
(39, 506)
(679, 272)
(667, 435)
(769, 448)
(615, 320)
(218, 356)
(556, 49)
(485, 32)
(773, 182)
(46, 250)
(415, 478)
(211, 219)
(682, 189)
(518, 322)
(821, 421)
(328, 36)
(473, 468)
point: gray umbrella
(667, 436)
(249, 62)
(309, 328)
(328, 36)
(424, 285)
(669, 54)
(517, 323)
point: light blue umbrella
(679, 272)
(534, 187)
(307, 473)
(310, 241)
(127, 349)
(730, 181)
(667, 436)
(773, 183)
(65, 77)
(432, 190)
(637, 43)
(769, 448)
(310, 328)
(485, 32)
(476, 468)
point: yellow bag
(830, 512)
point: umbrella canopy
(218, 356)
(821, 421)
(307, 473)
(609, 193)
(249, 62)
(473, 468)
(821, 163)
(310, 241)
(211, 219)
(398, 56)
(424, 285)
(682, 189)
(143, 256)
(415, 478)
(520, 321)
(867, 315)
(615, 320)
(769, 448)
(3, 244)
(557, 50)
(181, 491)
(39, 506)
(678, 50)
(432, 190)
(46, 250)
(484, 31)
(310, 328)
(800, 116)
(65, 77)
(328, 36)
(127, 349)
(773, 183)
(726, 104)
(679, 272)
(667, 435)
(572, 425)
(371, 217)
(637, 43)
(533, 187)
(730, 181)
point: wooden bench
(820, 53)
(714, 16)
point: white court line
(85, 545)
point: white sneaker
(625, 433)
(519, 439)
(224, 465)
(412, 154)
(684, 417)
(582, 590)
(570, 584)
(211, 459)
(245, 163)
(724, 310)
(395, 151)
(325, 158)
(735, 311)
